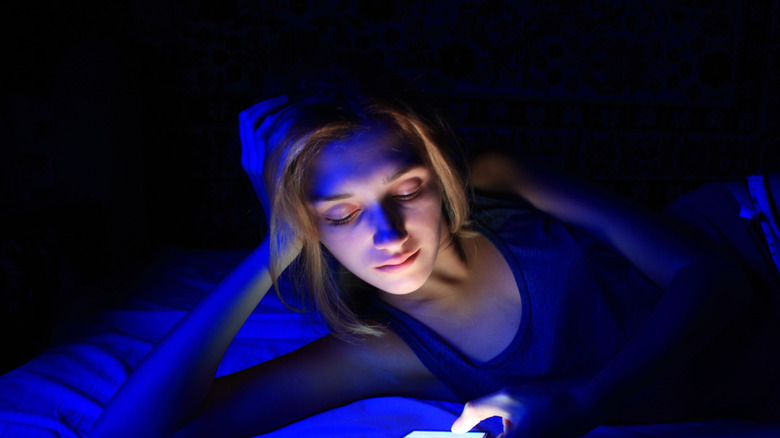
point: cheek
(427, 214)
(335, 240)
(347, 244)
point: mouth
(402, 264)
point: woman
(618, 311)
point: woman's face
(378, 209)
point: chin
(401, 286)
(408, 281)
(401, 290)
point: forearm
(640, 235)
(647, 240)
(698, 303)
(177, 374)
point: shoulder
(493, 172)
(494, 177)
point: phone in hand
(442, 434)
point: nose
(389, 230)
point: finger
(476, 411)
(249, 119)
(265, 134)
(465, 423)
(265, 107)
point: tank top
(580, 304)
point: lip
(403, 263)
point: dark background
(119, 118)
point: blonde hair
(309, 125)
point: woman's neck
(452, 274)
(453, 261)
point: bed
(61, 392)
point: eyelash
(409, 196)
(341, 221)
(346, 220)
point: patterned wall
(649, 97)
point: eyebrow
(324, 198)
(398, 174)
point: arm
(704, 290)
(322, 375)
(177, 374)
(174, 389)
(644, 238)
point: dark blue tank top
(580, 304)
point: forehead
(376, 152)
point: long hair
(312, 121)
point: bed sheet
(61, 392)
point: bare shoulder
(494, 172)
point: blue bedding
(61, 392)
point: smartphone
(441, 434)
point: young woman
(555, 305)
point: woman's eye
(409, 196)
(344, 220)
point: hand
(531, 412)
(260, 136)
(255, 129)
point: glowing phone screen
(437, 434)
